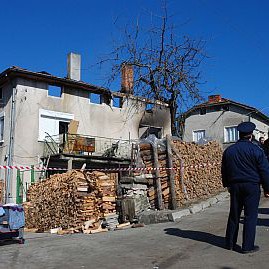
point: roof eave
(252, 110)
(23, 73)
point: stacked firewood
(2, 189)
(200, 176)
(69, 200)
(106, 185)
(146, 154)
(197, 173)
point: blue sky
(38, 35)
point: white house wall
(214, 122)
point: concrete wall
(94, 120)
(214, 122)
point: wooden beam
(157, 175)
(70, 164)
(183, 187)
(171, 172)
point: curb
(152, 217)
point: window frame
(55, 116)
(226, 134)
(196, 131)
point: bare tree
(166, 66)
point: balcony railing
(87, 145)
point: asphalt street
(195, 241)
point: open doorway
(63, 130)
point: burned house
(63, 122)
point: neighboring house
(65, 122)
(218, 118)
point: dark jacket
(244, 162)
(265, 147)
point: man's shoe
(255, 249)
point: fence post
(18, 195)
(32, 174)
(171, 172)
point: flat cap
(246, 127)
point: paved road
(196, 241)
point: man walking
(244, 168)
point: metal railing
(78, 144)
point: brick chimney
(73, 66)
(127, 78)
(214, 98)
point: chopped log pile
(71, 200)
(201, 173)
(197, 175)
(86, 201)
(2, 189)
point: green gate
(21, 190)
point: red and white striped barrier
(203, 165)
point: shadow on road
(260, 221)
(208, 238)
(8, 242)
(263, 222)
(263, 211)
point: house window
(197, 135)
(149, 107)
(54, 91)
(53, 123)
(216, 108)
(202, 111)
(1, 93)
(63, 127)
(2, 116)
(95, 98)
(117, 101)
(225, 108)
(230, 134)
(2, 129)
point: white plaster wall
(214, 122)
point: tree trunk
(173, 111)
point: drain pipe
(11, 146)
